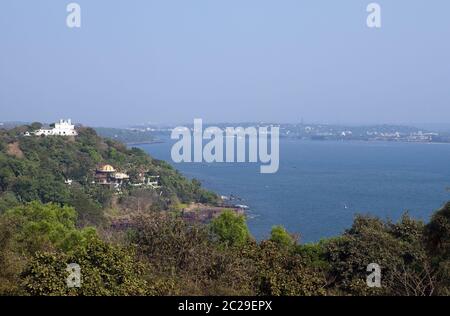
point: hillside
(63, 200)
(40, 168)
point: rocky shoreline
(202, 213)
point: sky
(170, 61)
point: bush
(185, 261)
(105, 270)
(47, 226)
(397, 248)
(280, 272)
(281, 237)
(230, 228)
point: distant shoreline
(363, 141)
(145, 142)
(160, 141)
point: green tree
(45, 226)
(185, 261)
(35, 126)
(281, 237)
(281, 272)
(105, 270)
(11, 262)
(230, 228)
(437, 238)
(397, 248)
(89, 211)
(7, 200)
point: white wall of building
(62, 128)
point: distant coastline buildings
(61, 128)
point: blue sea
(321, 185)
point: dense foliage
(45, 225)
(230, 229)
(36, 168)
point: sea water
(321, 185)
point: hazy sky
(138, 61)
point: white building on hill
(62, 128)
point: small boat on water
(242, 206)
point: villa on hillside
(61, 128)
(146, 180)
(108, 175)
